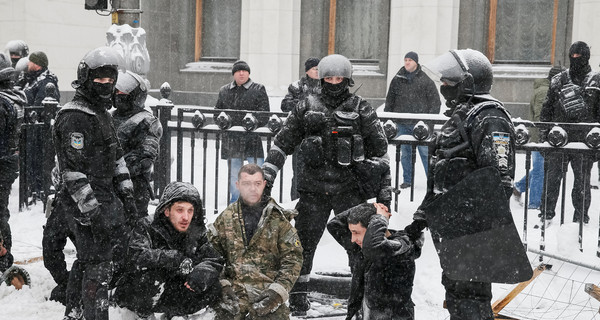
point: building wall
(60, 28)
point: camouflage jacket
(272, 258)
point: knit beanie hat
(311, 63)
(412, 55)
(240, 65)
(39, 58)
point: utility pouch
(344, 151)
(358, 148)
(571, 100)
(312, 148)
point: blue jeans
(406, 153)
(236, 165)
(536, 181)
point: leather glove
(270, 178)
(267, 302)
(543, 136)
(100, 224)
(415, 229)
(229, 300)
(186, 266)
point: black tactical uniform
(573, 96)
(94, 174)
(337, 133)
(162, 259)
(479, 134)
(139, 133)
(12, 104)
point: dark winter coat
(156, 246)
(540, 90)
(553, 110)
(250, 96)
(384, 271)
(12, 106)
(412, 94)
(299, 90)
(139, 133)
(313, 126)
(89, 154)
(35, 89)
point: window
(218, 26)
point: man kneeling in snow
(384, 270)
(172, 268)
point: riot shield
(474, 233)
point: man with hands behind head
(384, 269)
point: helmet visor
(447, 69)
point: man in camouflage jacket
(262, 252)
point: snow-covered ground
(428, 294)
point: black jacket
(313, 126)
(299, 90)
(35, 90)
(414, 93)
(384, 270)
(553, 111)
(156, 246)
(250, 96)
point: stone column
(270, 38)
(428, 27)
(585, 28)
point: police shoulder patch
(77, 140)
(501, 144)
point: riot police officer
(478, 136)
(139, 133)
(94, 174)
(17, 49)
(12, 104)
(336, 132)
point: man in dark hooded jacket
(384, 271)
(172, 267)
(574, 96)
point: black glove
(186, 266)
(267, 302)
(131, 212)
(197, 280)
(270, 175)
(229, 300)
(543, 136)
(100, 224)
(415, 229)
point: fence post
(162, 168)
(50, 108)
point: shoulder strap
(77, 106)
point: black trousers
(92, 272)
(555, 164)
(468, 300)
(54, 240)
(146, 292)
(313, 213)
(9, 171)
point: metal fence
(202, 129)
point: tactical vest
(332, 135)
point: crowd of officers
(252, 259)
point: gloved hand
(186, 266)
(267, 302)
(131, 213)
(196, 280)
(415, 229)
(229, 300)
(100, 224)
(270, 175)
(543, 136)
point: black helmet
(17, 47)
(335, 65)
(134, 86)
(96, 59)
(6, 69)
(468, 68)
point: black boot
(59, 293)
(299, 303)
